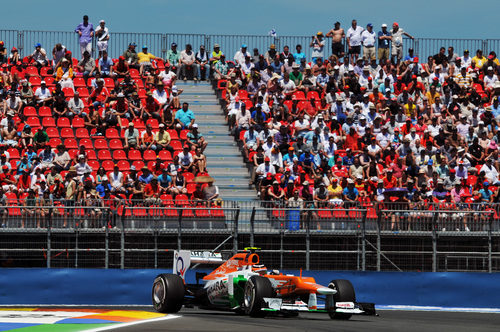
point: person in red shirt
(352, 140)
(152, 192)
(24, 182)
(389, 180)
(399, 86)
(415, 85)
(99, 95)
(7, 180)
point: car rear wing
(184, 258)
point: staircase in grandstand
(224, 161)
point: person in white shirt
(397, 42)
(239, 57)
(384, 138)
(102, 34)
(490, 78)
(39, 56)
(368, 38)
(490, 172)
(76, 105)
(437, 73)
(466, 59)
(168, 77)
(354, 40)
(43, 94)
(116, 180)
(187, 59)
(160, 95)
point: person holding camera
(318, 44)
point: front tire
(168, 293)
(256, 289)
(345, 293)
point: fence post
(379, 217)
(20, 41)
(164, 46)
(122, 239)
(363, 242)
(434, 241)
(77, 233)
(489, 243)
(106, 246)
(49, 233)
(179, 230)
(308, 240)
(235, 232)
(282, 235)
(252, 227)
(208, 45)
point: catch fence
(159, 43)
(381, 237)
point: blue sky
(424, 18)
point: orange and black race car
(242, 285)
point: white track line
(435, 308)
(120, 325)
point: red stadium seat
(134, 155)
(109, 83)
(87, 143)
(165, 155)
(100, 144)
(79, 82)
(108, 165)
(68, 92)
(138, 164)
(78, 122)
(123, 165)
(115, 144)
(63, 122)
(184, 133)
(138, 124)
(112, 133)
(71, 143)
(48, 122)
(49, 81)
(82, 133)
(45, 111)
(52, 132)
(46, 72)
(119, 155)
(94, 164)
(173, 134)
(83, 92)
(13, 153)
(154, 123)
(134, 73)
(54, 142)
(67, 133)
(104, 155)
(149, 155)
(30, 111)
(176, 145)
(31, 71)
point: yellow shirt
(410, 111)
(335, 192)
(432, 97)
(145, 57)
(479, 61)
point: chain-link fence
(380, 237)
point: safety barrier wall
(133, 287)
(159, 43)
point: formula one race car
(241, 285)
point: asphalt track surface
(191, 320)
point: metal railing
(159, 43)
(357, 238)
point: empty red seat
(119, 155)
(149, 155)
(109, 83)
(52, 132)
(165, 155)
(45, 111)
(54, 142)
(154, 123)
(112, 133)
(115, 144)
(87, 143)
(82, 133)
(71, 143)
(108, 165)
(68, 92)
(134, 73)
(49, 81)
(67, 133)
(78, 122)
(33, 122)
(83, 92)
(46, 72)
(123, 165)
(138, 164)
(176, 145)
(173, 134)
(104, 155)
(63, 122)
(13, 153)
(134, 155)
(30, 111)
(101, 143)
(94, 164)
(48, 122)
(91, 154)
(79, 82)
(138, 124)
(31, 71)
(184, 133)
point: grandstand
(114, 142)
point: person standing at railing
(102, 34)
(354, 40)
(85, 31)
(397, 42)
(368, 38)
(202, 63)
(337, 34)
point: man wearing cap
(479, 59)
(275, 193)
(202, 63)
(368, 39)
(131, 56)
(121, 68)
(187, 62)
(144, 59)
(43, 96)
(317, 43)
(87, 65)
(102, 34)
(215, 55)
(162, 140)
(490, 78)
(195, 139)
(221, 68)
(39, 56)
(239, 57)
(397, 42)
(85, 31)
(105, 65)
(466, 59)
(384, 43)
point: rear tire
(256, 289)
(168, 293)
(345, 293)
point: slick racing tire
(345, 293)
(256, 289)
(168, 293)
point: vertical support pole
(363, 241)
(164, 46)
(282, 235)
(252, 228)
(235, 231)
(155, 236)
(106, 246)
(49, 244)
(434, 241)
(20, 41)
(489, 243)
(77, 235)
(122, 240)
(308, 240)
(379, 242)
(179, 230)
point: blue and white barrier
(133, 287)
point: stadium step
(224, 160)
